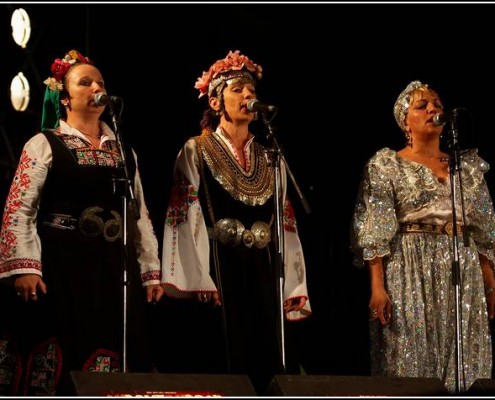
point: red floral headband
(234, 61)
(61, 66)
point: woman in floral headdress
(218, 236)
(62, 249)
(402, 232)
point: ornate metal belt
(230, 231)
(91, 223)
(417, 227)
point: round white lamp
(19, 92)
(21, 27)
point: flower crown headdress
(234, 65)
(61, 66)
(50, 114)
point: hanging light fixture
(21, 27)
(19, 92)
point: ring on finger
(374, 312)
(33, 294)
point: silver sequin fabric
(421, 339)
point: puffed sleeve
(374, 222)
(481, 217)
(20, 246)
(294, 264)
(185, 255)
(145, 239)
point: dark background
(334, 72)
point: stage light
(19, 92)
(21, 27)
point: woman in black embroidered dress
(218, 243)
(62, 249)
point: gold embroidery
(418, 227)
(253, 187)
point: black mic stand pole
(275, 155)
(455, 169)
(127, 189)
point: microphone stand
(274, 156)
(126, 189)
(455, 169)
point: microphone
(102, 99)
(443, 118)
(254, 105)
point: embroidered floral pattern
(107, 156)
(151, 276)
(43, 369)
(21, 182)
(20, 263)
(97, 157)
(289, 217)
(183, 195)
(10, 366)
(103, 360)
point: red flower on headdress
(234, 61)
(61, 66)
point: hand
(206, 297)
(294, 304)
(490, 301)
(28, 285)
(380, 306)
(154, 293)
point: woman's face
(82, 82)
(235, 97)
(424, 105)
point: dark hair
(211, 118)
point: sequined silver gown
(420, 340)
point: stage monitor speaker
(482, 387)
(160, 385)
(327, 385)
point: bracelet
(489, 290)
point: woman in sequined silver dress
(218, 243)
(402, 231)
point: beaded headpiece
(54, 85)
(235, 65)
(401, 106)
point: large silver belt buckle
(262, 234)
(231, 231)
(92, 225)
